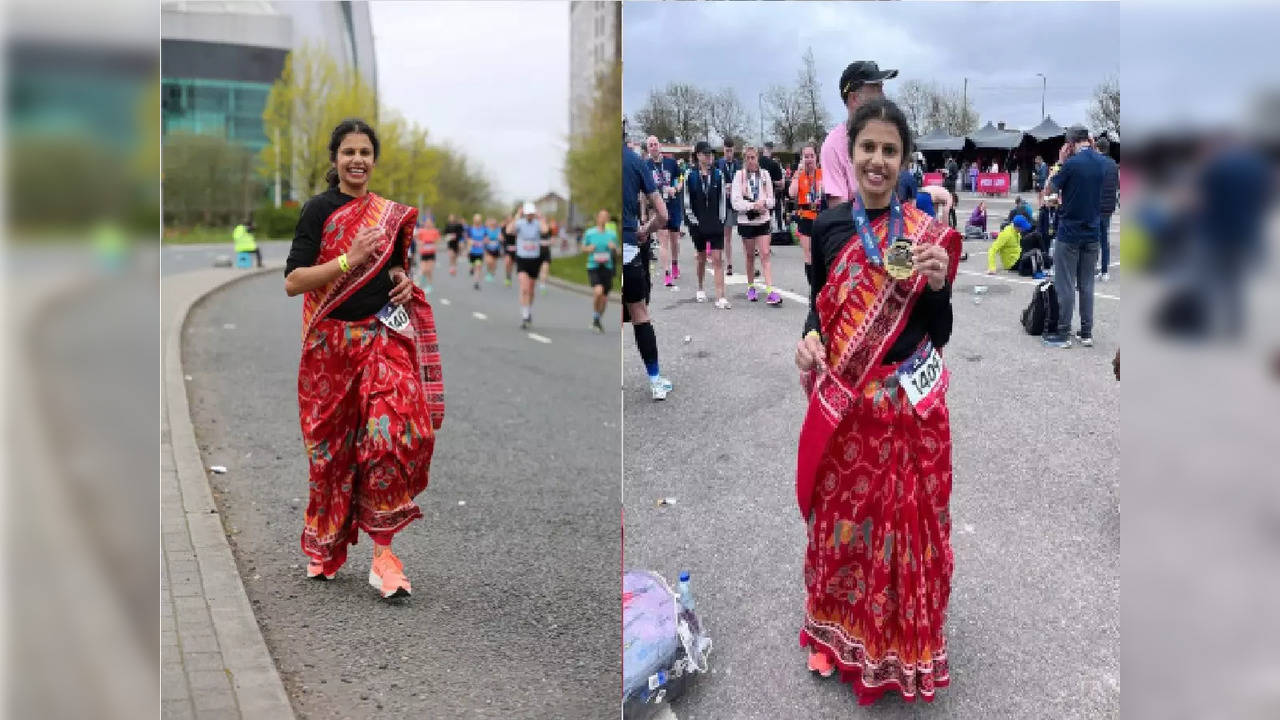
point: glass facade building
(219, 59)
(229, 108)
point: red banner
(933, 178)
(993, 183)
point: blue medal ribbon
(870, 243)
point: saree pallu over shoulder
(397, 223)
(862, 311)
(873, 484)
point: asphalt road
(177, 258)
(1034, 617)
(516, 609)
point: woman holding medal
(370, 392)
(873, 479)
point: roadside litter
(663, 642)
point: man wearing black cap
(859, 82)
(704, 212)
(1075, 250)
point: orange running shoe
(315, 571)
(819, 663)
(387, 575)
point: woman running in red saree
(874, 472)
(370, 391)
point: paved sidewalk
(214, 662)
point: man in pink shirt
(859, 82)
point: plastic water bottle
(686, 597)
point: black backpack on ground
(1041, 313)
(1031, 262)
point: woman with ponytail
(370, 390)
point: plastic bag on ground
(663, 644)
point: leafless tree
(949, 110)
(1104, 113)
(726, 115)
(657, 116)
(915, 98)
(816, 121)
(785, 113)
(689, 111)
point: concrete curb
(254, 678)
(571, 287)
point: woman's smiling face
(355, 160)
(877, 160)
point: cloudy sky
(492, 78)
(999, 47)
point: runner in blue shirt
(475, 246)
(492, 248)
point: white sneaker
(723, 304)
(700, 296)
(658, 389)
(665, 383)
(1105, 277)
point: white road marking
(445, 301)
(479, 316)
(742, 280)
(540, 338)
(1023, 281)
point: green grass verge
(571, 268)
(198, 235)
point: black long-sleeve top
(931, 313)
(364, 302)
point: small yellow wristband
(814, 333)
(344, 263)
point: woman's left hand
(403, 290)
(931, 261)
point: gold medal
(898, 260)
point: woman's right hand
(810, 353)
(363, 246)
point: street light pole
(1043, 84)
(275, 137)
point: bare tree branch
(727, 117)
(689, 108)
(916, 100)
(783, 109)
(657, 116)
(808, 89)
(1104, 113)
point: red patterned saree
(873, 483)
(370, 398)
